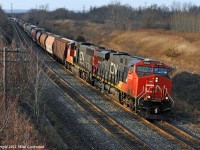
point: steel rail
(180, 134)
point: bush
(172, 53)
(80, 38)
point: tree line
(6, 33)
(179, 17)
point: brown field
(181, 51)
(176, 49)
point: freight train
(141, 84)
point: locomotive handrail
(141, 92)
(144, 92)
(136, 100)
(170, 98)
(142, 95)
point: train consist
(141, 84)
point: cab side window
(131, 69)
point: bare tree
(176, 6)
(120, 15)
(185, 22)
(37, 16)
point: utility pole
(83, 8)
(4, 72)
(11, 9)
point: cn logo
(113, 68)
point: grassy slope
(158, 44)
(179, 50)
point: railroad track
(178, 133)
(113, 128)
(173, 133)
(124, 137)
(174, 138)
(178, 136)
(20, 38)
(107, 123)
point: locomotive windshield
(160, 71)
(144, 69)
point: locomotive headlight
(156, 80)
(166, 97)
(148, 96)
(156, 110)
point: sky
(80, 4)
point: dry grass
(75, 28)
(16, 128)
(156, 44)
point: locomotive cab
(153, 89)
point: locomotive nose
(153, 87)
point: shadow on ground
(186, 93)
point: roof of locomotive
(133, 59)
(90, 45)
(132, 62)
(103, 51)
